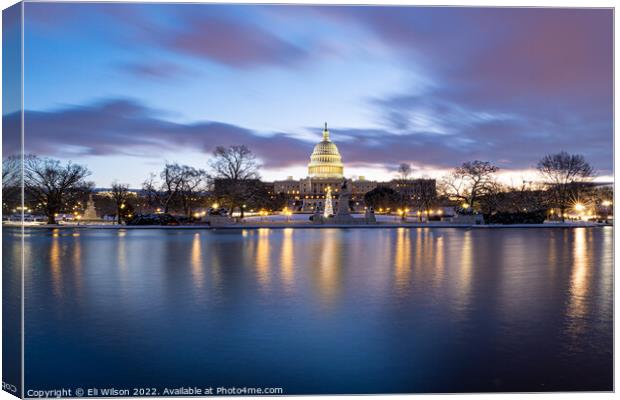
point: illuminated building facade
(326, 170)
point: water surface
(320, 310)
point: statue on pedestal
(343, 215)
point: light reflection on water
(196, 262)
(370, 310)
(402, 260)
(577, 307)
(287, 260)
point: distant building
(326, 170)
(415, 190)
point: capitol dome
(325, 161)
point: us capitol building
(326, 170)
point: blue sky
(123, 88)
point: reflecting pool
(319, 310)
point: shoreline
(313, 226)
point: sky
(124, 88)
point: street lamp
(404, 214)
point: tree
(162, 193)
(565, 176)
(193, 181)
(11, 182)
(382, 197)
(496, 198)
(235, 170)
(236, 163)
(470, 181)
(424, 196)
(404, 171)
(120, 195)
(54, 185)
(602, 199)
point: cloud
(506, 85)
(126, 127)
(206, 32)
(503, 79)
(496, 57)
(158, 70)
(120, 126)
(233, 43)
(450, 132)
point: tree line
(52, 188)
(232, 180)
(565, 180)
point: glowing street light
(403, 214)
(287, 213)
(606, 203)
(579, 207)
(464, 206)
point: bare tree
(404, 171)
(424, 196)
(161, 193)
(120, 195)
(11, 171)
(235, 172)
(54, 185)
(565, 176)
(494, 199)
(235, 163)
(452, 187)
(11, 182)
(470, 181)
(193, 181)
